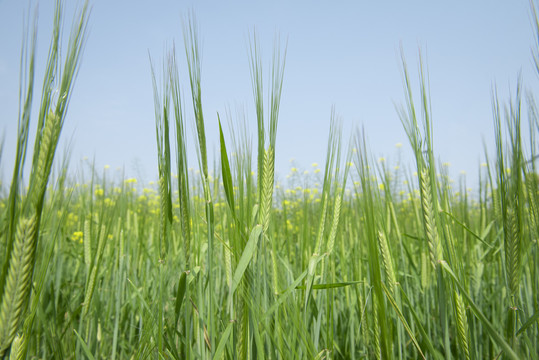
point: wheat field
(357, 258)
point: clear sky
(340, 53)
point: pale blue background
(342, 53)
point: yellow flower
(77, 236)
(99, 192)
(289, 225)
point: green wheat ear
(15, 348)
(17, 287)
(462, 323)
(18, 347)
(512, 249)
(334, 223)
(40, 174)
(387, 262)
(435, 249)
(267, 188)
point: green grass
(357, 259)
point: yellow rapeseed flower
(289, 225)
(77, 236)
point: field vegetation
(356, 259)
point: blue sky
(340, 53)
